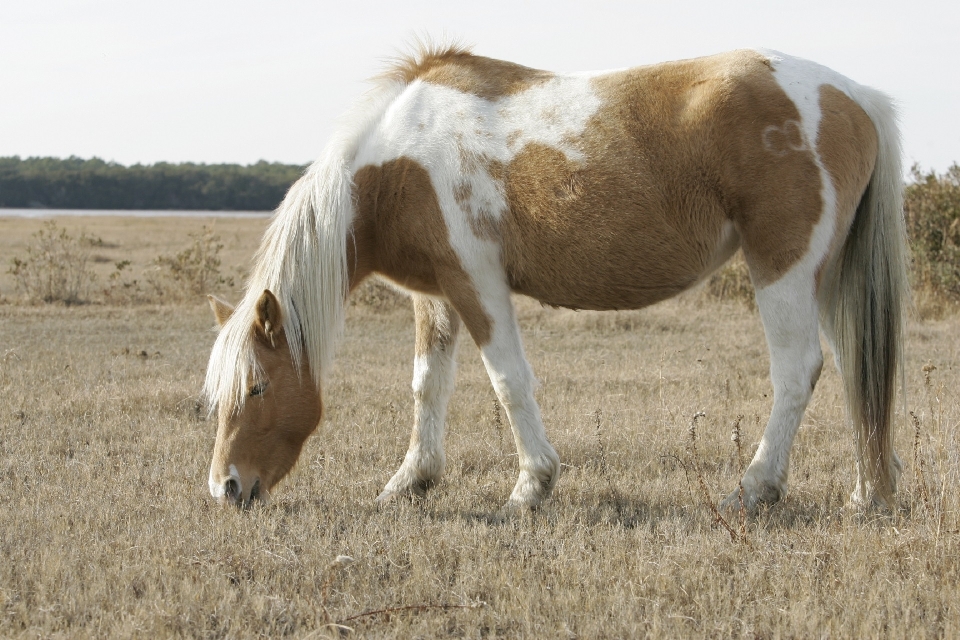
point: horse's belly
(598, 291)
(617, 271)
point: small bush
(123, 288)
(193, 272)
(932, 212)
(731, 282)
(188, 275)
(378, 295)
(56, 268)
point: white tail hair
(867, 306)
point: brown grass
(106, 528)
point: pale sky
(216, 81)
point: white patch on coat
(801, 80)
(423, 121)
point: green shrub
(932, 211)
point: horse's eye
(258, 389)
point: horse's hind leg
(788, 309)
(434, 369)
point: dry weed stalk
(737, 438)
(336, 567)
(934, 504)
(410, 607)
(614, 492)
(918, 463)
(332, 571)
(598, 417)
(718, 518)
(498, 421)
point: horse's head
(260, 435)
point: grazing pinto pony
(464, 179)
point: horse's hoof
(748, 498)
(414, 493)
(386, 497)
(736, 502)
(513, 508)
(535, 486)
(392, 497)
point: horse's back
(619, 189)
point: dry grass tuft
(379, 296)
(731, 282)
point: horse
(463, 180)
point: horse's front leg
(434, 369)
(514, 383)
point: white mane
(302, 260)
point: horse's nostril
(231, 489)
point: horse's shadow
(609, 507)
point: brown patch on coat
(457, 68)
(593, 236)
(847, 144)
(628, 226)
(400, 233)
(677, 150)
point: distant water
(131, 213)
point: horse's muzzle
(233, 495)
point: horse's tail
(867, 308)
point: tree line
(75, 183)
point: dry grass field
(107, 529)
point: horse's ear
(221, 310)
(269, 322)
